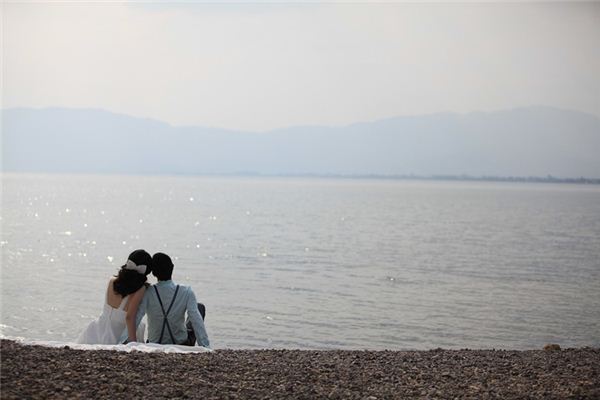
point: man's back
(185, 300)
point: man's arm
(196, 319)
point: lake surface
(314, 263)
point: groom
(165, 305)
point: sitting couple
(129, 297)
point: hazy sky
(259, 66)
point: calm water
(348, 264)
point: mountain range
(531, 141)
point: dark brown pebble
(552, 347)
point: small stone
(552, 347)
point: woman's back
(107, 329)
(114, 299)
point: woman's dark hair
(128, 280)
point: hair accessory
(140, 269)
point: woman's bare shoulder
(142, 289)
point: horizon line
(335, 176)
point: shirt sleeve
(196, 319)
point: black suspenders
(165, 322)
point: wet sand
(40, 372)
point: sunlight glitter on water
(344, 264)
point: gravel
(40, 372)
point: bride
(123, 296)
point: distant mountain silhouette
(533, 141)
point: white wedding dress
(109, 327)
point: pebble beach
(37, 372)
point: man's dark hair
(162, 266)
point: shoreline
(332, 176)
(30, 371)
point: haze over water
(314, 263)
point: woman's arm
(132, 308)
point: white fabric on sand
(129, 347)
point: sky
(261, 66)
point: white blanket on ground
(129, 347)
